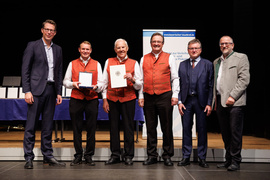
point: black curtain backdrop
(82, 20)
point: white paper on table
(117, 73)
(63, 91)
(21, 94)
(12, 92)
(2, 92)
(85, 78)
(68, 92)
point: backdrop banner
(176, 42)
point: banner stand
(175, 43)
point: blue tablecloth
(16, 109)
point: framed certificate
(117, 73)
(85, 78)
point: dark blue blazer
(204, 83)
(35, 68)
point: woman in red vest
(121, 101)
(83, 100)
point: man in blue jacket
(195, 97)
(42, 85)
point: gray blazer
(235, 78)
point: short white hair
(120, 39)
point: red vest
(78, 66)
(156, 74)
(121, 94)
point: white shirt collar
(197, 59)
(46, 44)
(222, 58)
(85, 61)
(156, 55)
(123, 59)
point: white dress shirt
(49, 55)
(174, 76)
(68, 77)
(220, 74)
(196, 61)
(137, 76)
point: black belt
(50, 83)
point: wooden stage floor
(14, 139)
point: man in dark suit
(42, 85)
(195, 96)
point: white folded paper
(117, 73)
(85, 78)
(12, 92)
(21, 94)
(68, 92)
(2, 92)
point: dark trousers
(231, 125)
(193, 107)
(154, 106)
(77, 108)
(45, 104)
(127, 111)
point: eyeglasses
(48, 30)
(159, 42)
(197, 48)
(226, 44)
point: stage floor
(11, 147)
(15, 139)
(14, 170)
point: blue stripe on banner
(179, 33)
(149, 33)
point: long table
(16, 109)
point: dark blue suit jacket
(204, 83)
(35, 68)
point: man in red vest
(121, 101)
(158, 96)
(83, 100)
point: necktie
(193, 63)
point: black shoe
(53, 162)
(28, 164)
(226, 164)
(76, 161)
(184, 162)
(168, 162)
(233, 167)
(203, 163)
(128, 161)
(89, 161)
(150, 161)
(112, 161)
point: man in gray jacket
(231, 80)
